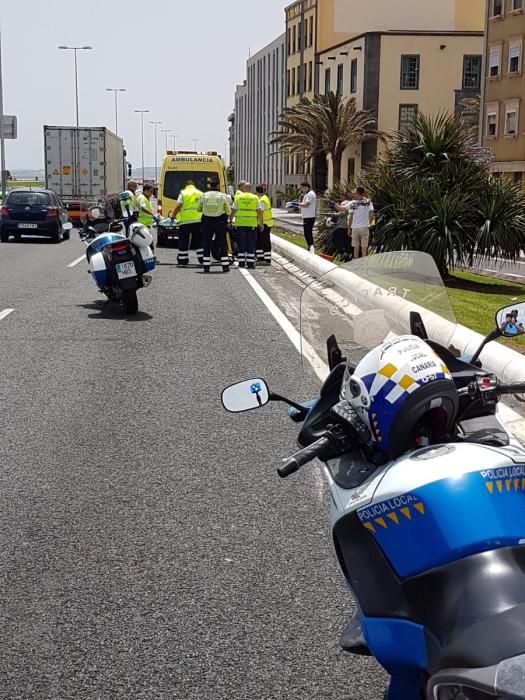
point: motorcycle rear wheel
(130, 301)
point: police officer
(145, 213)
(264, 242)
(215, 208)
(129, 205)
(248, 218)
(189, 220)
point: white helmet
(140, 235)
(400, 390)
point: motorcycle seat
(484, 430)
(486, 643)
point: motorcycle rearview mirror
(245, 396)
(510, 320)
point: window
(327, 81)
(409, 72)
(311, 32)
(340, 78)
(288, 82)
(471, 72)
(293, 81)
(353, 76)
(407, 114)
(517, 177)
(515, 46)
(299, 79)
(491, 120)
(511, 118)
(294, 37)
(310, 76)
(495, 61)
(516, 5)
(289, 41)
(299, 35)
(496, 8)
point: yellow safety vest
(190, 199)
(267, 213)
(144, 218)
(246, 210)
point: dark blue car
(29, 212)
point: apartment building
(504, 87)
(323, 37)
(398, 74)
(258, 103)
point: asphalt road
(148, 548)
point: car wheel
(66, 235)
(58, 235)
(130, 301)
(4, 237)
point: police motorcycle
(427, 486)
(119, 255)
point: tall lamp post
(195, 142)
(116, 91)
(75, 49)
(155, 125)
(142, 112)
(3, 174)
(166, 132)
(174, 137)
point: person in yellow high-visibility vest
(264, 241)
(146, 215)
(248, 218)
(189, 219)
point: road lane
(149, 549)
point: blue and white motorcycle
(120, 257)
(427, 486)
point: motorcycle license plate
(126, 269)
(27, 225)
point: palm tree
(469, 116)
(326, 125)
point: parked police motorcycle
(120, 257)
(427, 486)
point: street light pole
(116, 91)
(155, 125)
(3, 174)
(195, 142)
(142, 112)
(174, 137)
(75, 49)
(166, 132)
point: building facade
(398, 74)
(258, 103)
(503, 117)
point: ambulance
(177, 168)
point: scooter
(120, 257)
(431, 544)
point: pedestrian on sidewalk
(308, 207)
(248, 218)
(215, 209)
(264, 241)
(361, 215)
(341, 236)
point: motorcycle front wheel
(130, 301)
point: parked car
(37, 212)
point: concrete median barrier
(506, 363)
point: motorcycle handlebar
(517, 388)
(304, 456)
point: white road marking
(5, 313)
(319, 367)
(78, 260)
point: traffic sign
(482, 154)
(10, 127)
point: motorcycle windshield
(370, 300)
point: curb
(508, 364)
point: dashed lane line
(5, 313)
(77, 261)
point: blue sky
(178, 59)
